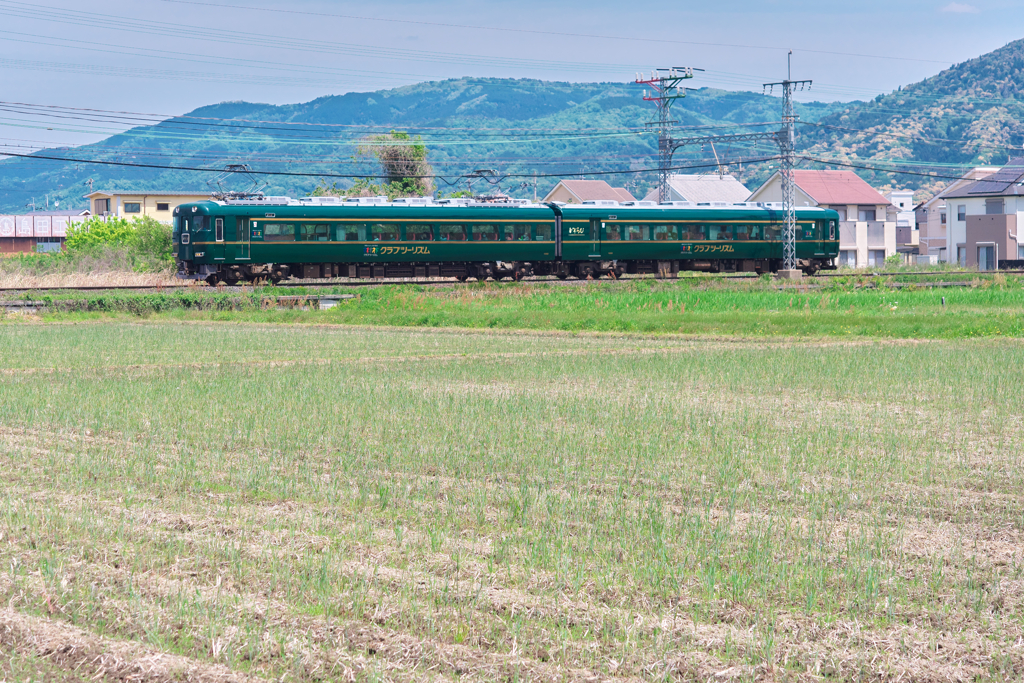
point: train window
(314, 232)
(638, 232)
(613, 232)
(742, 232)
(692, 231)
(352, 232)
(197, 223)
(419, 232)
(545, 232)
(757, 232)
(485, 233)
(385, 232)
(516, 233)
(453, 233)
(219, 230)
(718, 232)
(665, 232)
(278, 232)
(773, 232)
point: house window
(866, 213)
(942, 217)
(841, 210)
(876, 257)
(102, 206)
(848, 257)
(132, 207)
(163, 206)
(1020, 252)
(961, 212)
(994, 207)
(961, 256)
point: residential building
(901, 210)
(989, 212)
(129, 204)
(579, 191)
(866, 235)
(36, 231)
(703, 189)
(933, 216)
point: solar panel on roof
(1000, 180)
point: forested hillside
(969, 114)
(514, 126)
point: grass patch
(696, 306)
(321, 503)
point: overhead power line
(357, 176)
(508, 29)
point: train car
(276, 237)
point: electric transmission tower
(787, 147)
(665, 89)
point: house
(908, 238)
(36, 231)
(579, 191)
(984, 229)
(703, 189)
(129, 204)
(932, 216)
(866, 235)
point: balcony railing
(876, 235)
(907, 236)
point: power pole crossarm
(665, 89)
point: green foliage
(145, 236)
(95, 232)
(893, 261)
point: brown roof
(594, 189)
(624, 194)
(837, 187)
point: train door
(577, 242)
(820, 233)
(218, 240)
(242, 237)
(595, 238)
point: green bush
(143, 238)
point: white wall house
(902, 212)
(933, 216)
(866, 233)
(985, 218)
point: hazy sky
(170, 56)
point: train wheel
(461, 278)
(562, 276)
(212, 280)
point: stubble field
(218, 502)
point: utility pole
(665, 89)
(787, 145)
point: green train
(275, 238)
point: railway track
(442, 283)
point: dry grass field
(222, 502)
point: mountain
(970, 114)
(514, 126)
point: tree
(403, 163)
